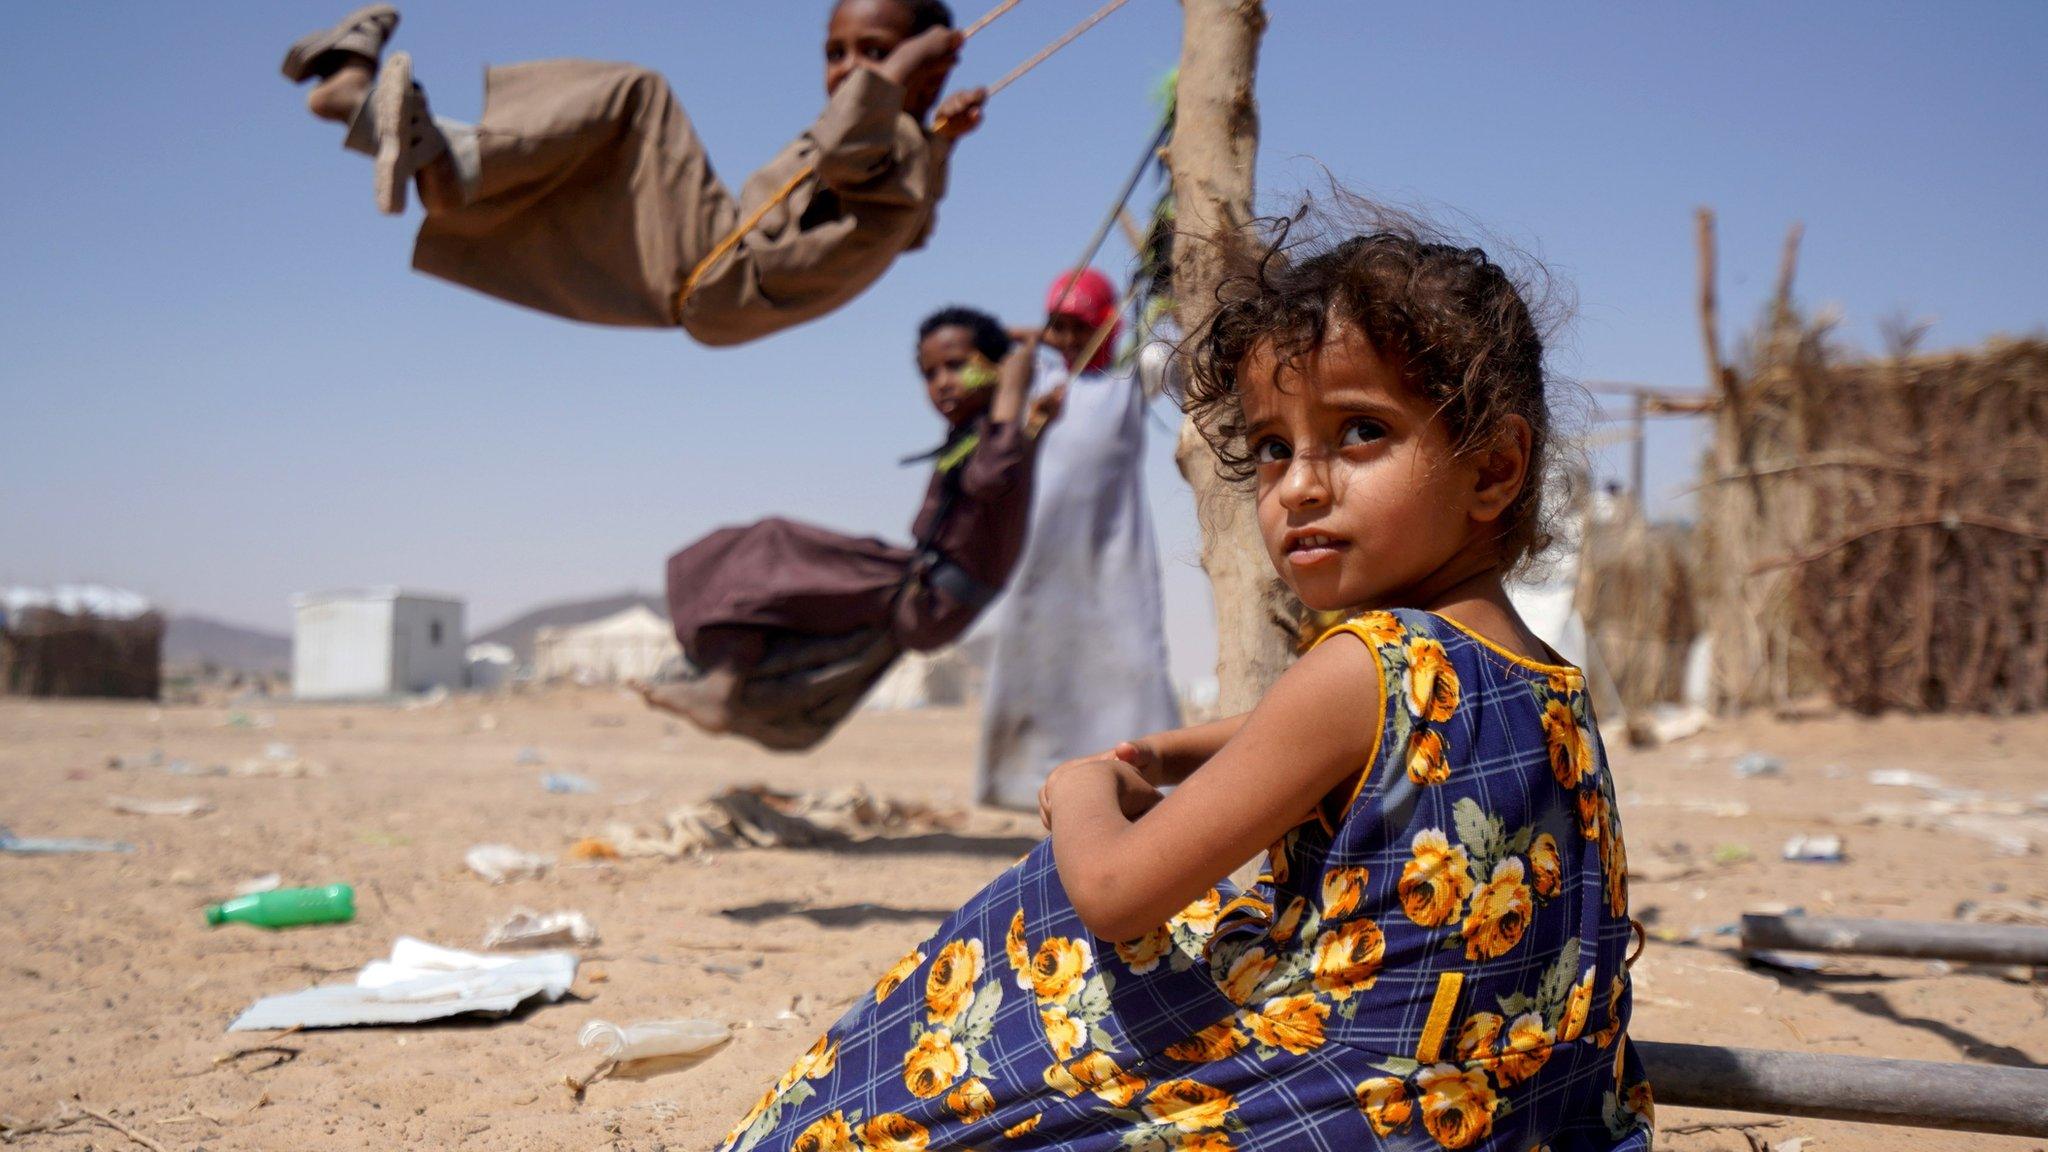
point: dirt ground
(113, 989)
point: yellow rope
(732, 239)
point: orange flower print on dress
(1059, 967)
(1248, 973)
(1201, 915)
(1479, 1038)
(1219, 1041)
(1614, 864)
(1592, 813)
(1608, 1031)
(1426, 763)
(1018, 950)
(1571, 756)
(949, 988)
(827, 1134)
(893, 1132)
(1578, 1005)
(1343, 888)
(1062, 1031)
(1023, 1127)
(971, 1101)
(1347, 958)
(1432, 683)
(1641, 1101)
(1098, 1073)
(1289, 922)
(1291, 1023)
(1144, 954)
(1386, 1105)
(1380, 629)
(1500, 913)
(1188, 1105)
(896, 975)
(1457, 1104)
(933, 1064)
(1546, 871)
(1526, 1050)
(1213, 1140)
(815, 1064)
(1434, 884)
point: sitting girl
(1434, 957)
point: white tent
(628, 645)
(943, 679)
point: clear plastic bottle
(652, 1039)
(286, 907)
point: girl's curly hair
(1457, 322)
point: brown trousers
(594, 200)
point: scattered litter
(183, 806)
(498, 863)
(652, 1040)
(246, 720)
(1902, 778)
(567, 784)
(268, 882)
(56, 845)
(525, 928)
(188, 768)
(1795, 1144)
(1752, 764)
(592, 848)
(2004, 825)
(1727, 855)
(1817, 849)
(1662, 724)
(152, 759)
(283, 761)
(762, 817)
(419, 982)
(526, 756)
(288, 907)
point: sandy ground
(113, 988)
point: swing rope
(732, 239)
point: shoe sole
(387, 107)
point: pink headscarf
(1091, 299)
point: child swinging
(1435, 955)
(584, 191)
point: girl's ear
(1503, 469)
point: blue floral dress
(1436, 963)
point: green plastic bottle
(288, 906)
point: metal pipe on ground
(1913, 940)
(1989, 1098)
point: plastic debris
(183, 806)
(591, 849)
(1902, 778)
(1783, 962)
(652, 1039)
(567, 784)
(761, 817)
(498, 863)
(419, 982)
(57, 845)
(268, 882)
(525, 928)
(188, 768)
(1815, 849)
(1662, 724)
(1752, 764)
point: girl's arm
(1128, 874)
(1170, 757)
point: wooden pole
(1637, 462)
(1912, 940)
(1917, 1094)
(1213, 154)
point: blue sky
(220, 383)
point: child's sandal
(362, 32)
(407, 137)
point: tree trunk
(1212, 156)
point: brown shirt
(878, 180)
(981, 529)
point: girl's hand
(1134, 795)
(960, 113)
(1141, 755)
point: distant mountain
(190, 641)
(517, 634)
